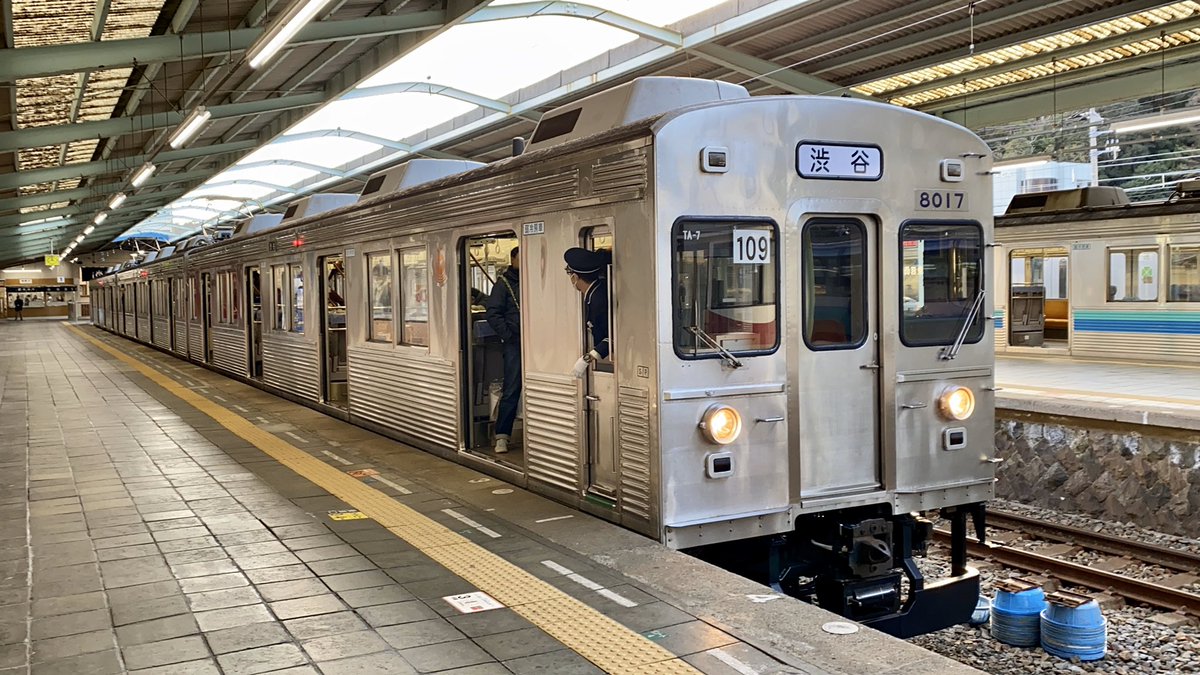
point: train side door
(169, 303)
(254, 321)
(600, 393)
(206, 314)
(332, 293)
(840, 332)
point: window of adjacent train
(1184, 274)
(1132, 275)
(835, 284)
(940, 266)
(297, 299)
(279, 283)
(1045, 267)
(414, 285)
(726, 284)
(379, 271)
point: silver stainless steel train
(802, 354)
(1084, 273)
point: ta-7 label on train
(839, 161)
(941, 200)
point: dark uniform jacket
(596, 302)
(503, 306)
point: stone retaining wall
(1148, 476)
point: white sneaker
(501, 445)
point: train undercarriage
(855, 562)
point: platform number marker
(468, 603)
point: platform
(1142, 394)
(161, 518)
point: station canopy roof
(96, 88)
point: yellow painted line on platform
(611, 646)
(1097, 394)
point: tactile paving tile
(611, 646)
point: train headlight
(721, 424)
(957, 403)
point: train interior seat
(1057, 318)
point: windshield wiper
(948, 353)
(726, 356)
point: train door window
(835, 284)
(379, 273)
(1184, 274)
(235, 298)
(297, 277)
(1132, 275)
(279, 282)
(414, 284)
(194, 283)
(223, 297)
(941, 268)
(726, 285)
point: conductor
(588, 271)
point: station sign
(52, 261)
(834, 160)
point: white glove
(581, 367)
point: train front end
(827, 360)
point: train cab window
(1132, 275)
(835, 284)
(726, 284)
(279, 284)
(379, 271)
(941, 268)
(414, 284)
(1184, 274)
(297, 277)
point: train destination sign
(826, 160)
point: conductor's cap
(583, 261)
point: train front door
(206, 314)
(600, 393)
(333, 329)
(254, 321)
(839, 282)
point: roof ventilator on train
(260, 223)
(413, 173)
(1062, 200)
(319, 203)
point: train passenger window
(1132, 275)
(379, 271)
(297, 298)
(941, 275)
(414, 284)
(280, 283)
(835, 284)
(726, 284)
(1184, 274)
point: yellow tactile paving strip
(594, 636)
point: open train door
(332, 293)
(206, 314)
(254, 324)
(600, 394)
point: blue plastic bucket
(1075, 631)
(1016, 617)
(982, 613)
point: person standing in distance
(18, 305)
(587, 271)
(504, 316)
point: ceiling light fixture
(100, 217)
(191, 124)
(282, 30)
(1021, 163)
(80, 238)
(89, 229)
(143, 174)
(117, 200)
(1188, 116)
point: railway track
(1138, 590)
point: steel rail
(1133, 589)
(1183, 561)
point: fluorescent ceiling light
(117, 200)
(190, 125)
(100, 217)
(1189, 116)
(79, 239)
(1021, 163)
(282, 30)
(143, 174)
(89, 229)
